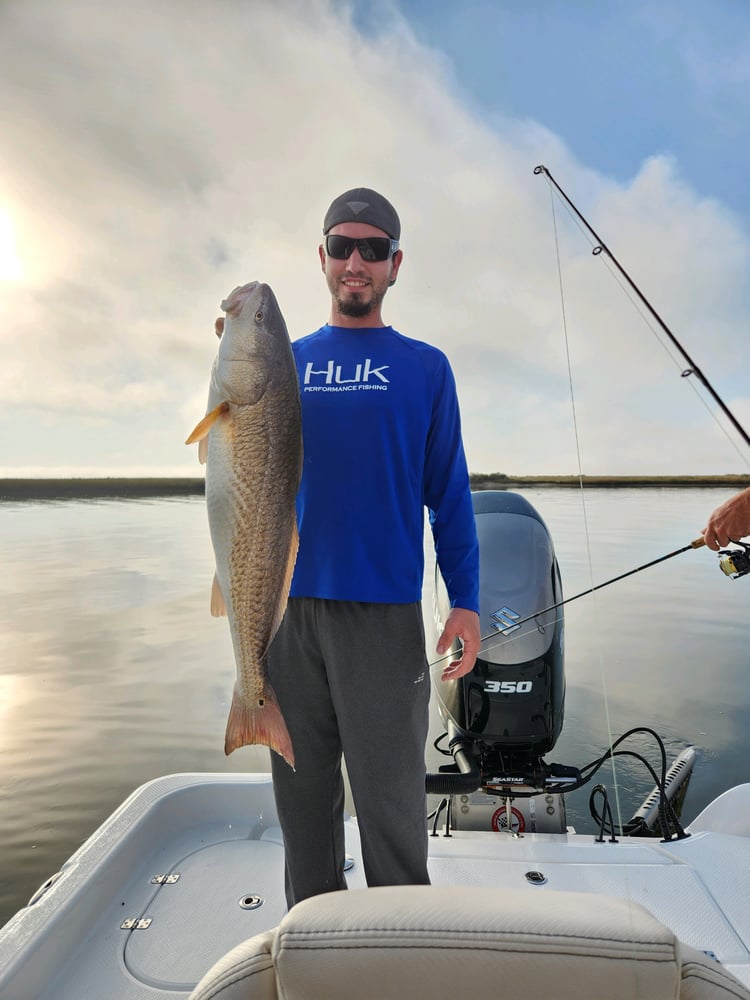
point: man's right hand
(728, 522)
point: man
(381, 440)
(730, 521)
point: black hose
(460, 778)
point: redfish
(251, 442)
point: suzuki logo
(505, 620)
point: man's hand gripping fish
(251, 442)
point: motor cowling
(513, 700)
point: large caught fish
(251, 441)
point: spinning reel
(735, 562)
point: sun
(11, 266)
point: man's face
(358, 286)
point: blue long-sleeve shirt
(381, 441)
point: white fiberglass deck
(219, 834)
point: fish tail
(260, 721)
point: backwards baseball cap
(363, 205)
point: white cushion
(444, 943)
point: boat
(180, 892)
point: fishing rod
(734, 563)
(512, 624)
(602, 247)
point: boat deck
(198, 860)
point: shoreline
(494, 482)
(116, 487)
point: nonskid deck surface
(213, 845)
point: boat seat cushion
(448, 942)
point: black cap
(364, 205)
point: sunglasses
(371, 248)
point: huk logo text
(333, 374)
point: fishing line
(602, 248)
(595, 248)
(684, 373)
(677, 362)
(583, 502)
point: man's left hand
(464, 625)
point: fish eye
(259, 316)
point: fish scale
(254, 460)
(256, 552)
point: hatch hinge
(136, 924)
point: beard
(356, 305)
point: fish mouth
(235, 301)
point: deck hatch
(203, 910)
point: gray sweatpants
(352, 677)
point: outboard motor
(508, 712)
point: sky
(155, 155)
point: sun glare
(11, 268)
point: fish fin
(201, 429)
(250, 723)
(203, 450)
(218, 604)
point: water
(112, 671)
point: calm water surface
(113, 672)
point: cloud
(160, 154)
